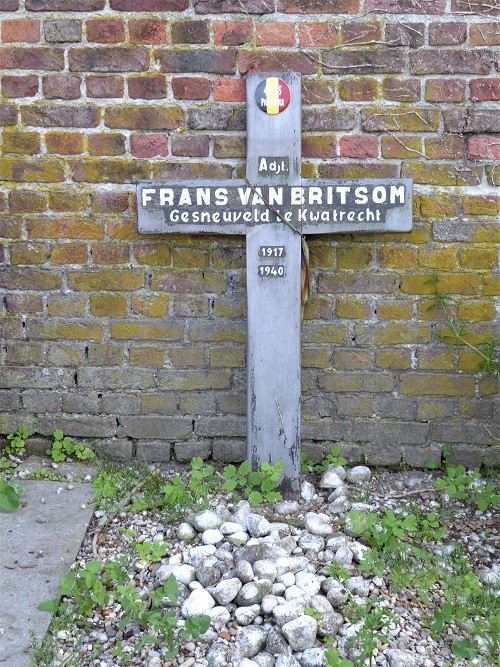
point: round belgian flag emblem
(272, 95)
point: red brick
(30, 171)
(99, 170)
(405, 34)
(361, 32)
(182, 170)
(144, 118)
(185, 146)
(232, 33)
(190, 88)
(401, 147)
(230, 6)
(190, 32)
(275, 61)
(485, 89)
(407, 6)
(229, 90)
(64, 228)
(106, 144)
(317, 6)
(447, 34)
(365, 61)
(64, 143)
(62, 30)
(319, 146)
(329, 119)
(147, 31)
(68, 253)
(483, 148)
(110, 253)
(35, 58)
(318, 34)
(149, 145)
(227, 147)
(64, 5)
(195, 61)
(10, 227)
(21, 30)
(445, 148)
(68, 200)
(401, 90)
(24, 303)
(358, 147)
(318, 92)
(484, 34)
(352, 170)
(150, 87)
(359, 89)
(61, 87)
(149, 5)
(110, 202)
(20, 86)
(109, 59)
(8, 115)
(481, 7)
(450, 61)
(21, 143)
(60, 116)
(105, 85)
(416, 119)
(274, 33)
(105, 31)
(26, 201)
(445, 90)
(471, 120)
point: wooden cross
(275, 209)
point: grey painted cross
(274, 208)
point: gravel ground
(259, 574)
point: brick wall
(138, 343)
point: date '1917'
(272, 251)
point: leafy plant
(64, 446)
(258, 485)
(96, 584)
(202, 481)
(17, 441)
(16, 447)
(456, 332)
(10, 495)
(333, 659)
(45, 473)
(466, 485)
(333, 458)
(376, 620)
(151, 551)
(309, 611)
(336, 571)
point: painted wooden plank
(273, 319)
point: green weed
(258, 485)
(64, 446)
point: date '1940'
(271, 271)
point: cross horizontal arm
(310, 207)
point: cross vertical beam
(273, 316)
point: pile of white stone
(264, 584)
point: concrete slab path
(38, 544)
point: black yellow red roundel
(272, 95)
